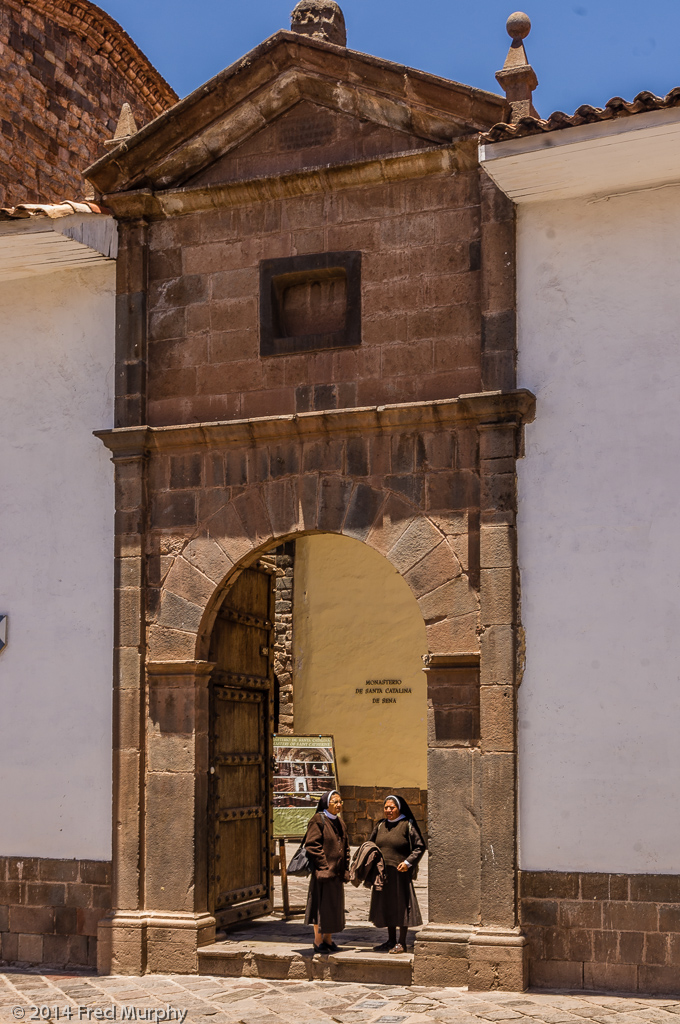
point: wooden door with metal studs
(241, 725)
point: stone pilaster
(162, 933)
(131, 323)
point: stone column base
(152, 942)
(482, 959)
(441, 955)
(498, 960)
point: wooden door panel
(239, 787)
(238, 724)
(238, 841)
(241, 727)
(245, 651)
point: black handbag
(299, 865)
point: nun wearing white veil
(402, 845)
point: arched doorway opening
(329, 626)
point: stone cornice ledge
(489, 407)
(398, 167)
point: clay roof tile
(643, 103)
(52, 210)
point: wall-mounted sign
(3, 632)
(382, 691)
(304, 769)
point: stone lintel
(434, 661)
(180, 668)
(515, 407)
(421, 163)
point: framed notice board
(304, 769)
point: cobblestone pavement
(251, 1001)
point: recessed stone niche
(309, 303)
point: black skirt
(395, 905)
(326, 904)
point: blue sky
(583, 51)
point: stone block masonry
(602, 931)
(283, 645)
(65, 71)
(420, 288)
(363, 807)
(49, 910)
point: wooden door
(241, 708)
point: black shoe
(333, 946)
(322, 948)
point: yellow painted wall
(355, 619)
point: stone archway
(431, 487)
(418, 547)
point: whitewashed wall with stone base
(599, 534)
(56, 565)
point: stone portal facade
(316, 334)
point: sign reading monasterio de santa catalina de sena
(382, 691)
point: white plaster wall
(56, 558)
(599, 534)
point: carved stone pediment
(318, 101)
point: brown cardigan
(328, 851)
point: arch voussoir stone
(227, 530)
(281, 498)
(166, 644)
(186, 581)
(418, 540)
(364, 505)
(251, 509)
(437, 567)
(391, 522)
(334, 497)
(208, 557)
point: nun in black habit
(327, 848)
(402, 845)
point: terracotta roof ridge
(643, 103)
(54, 211)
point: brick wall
(65, 71)
(49, 910)
(420, 292)
(602, 931)
(363, 807)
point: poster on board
(304, 769)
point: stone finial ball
(320, 19)
(518, 25)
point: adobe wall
(356, 620)
(65, 71)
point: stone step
(264, 960)
(273, 948)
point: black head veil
(404, 809)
